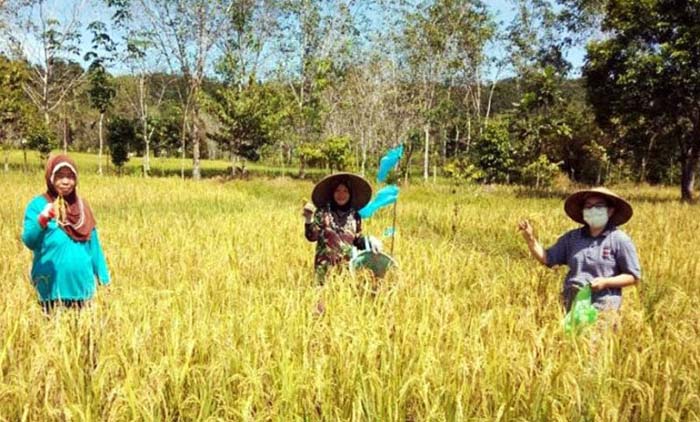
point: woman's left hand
(598, 284)
(375, 244)
(326, 220)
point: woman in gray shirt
(598, 253)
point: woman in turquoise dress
(59, 228)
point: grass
(209, 315)
(160, 166)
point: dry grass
(209, 316)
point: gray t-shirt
(610, 254)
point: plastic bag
(388, 162)
(386, 196)
(582, 313)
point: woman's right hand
(526, 230)
(308, 211)
(46, 215)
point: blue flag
(386, 196)
(388, 162)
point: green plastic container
(378, 263)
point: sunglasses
(597, 206)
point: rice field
(210, 313)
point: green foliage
(17, 114)
(336, 152)
(494, 154)
(462, 169)
(333, 152)
(250, 118)
(165, 140)
(121, 133)
(540, 173)
(643, 81)
(101, 90)
(310, 155)
(42, 141)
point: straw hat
(360, 190)
(574, 205)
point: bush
(336, 152)
(462, 169)
(310, 155)
(493, 153)
(541, 173)
(42, 141)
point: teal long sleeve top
(62, 269)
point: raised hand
(308, 211)
(46, 215)
(526, 230)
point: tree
(185, 32)
(41, 140)
(145, 89)
(101, 89)
(101, 93)
(14, 109)
(494, 154)
(306, 68)
(249, 118)
(444, 42)
(336, 151)
(50, 45)
(646, 75)
(539, 123)
(121, 134)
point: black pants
(50, 305)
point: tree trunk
(444, 147)
(147, 155)
(143, 112)
(196, 173)
(469, 133)
(65, 135)
(364, 152)
(456, 151)
(488, 105)
(407, 164)
(645, 159)
(689, 167)
(101, 139)
(183, 144)
(426, 158)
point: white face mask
(597, 218)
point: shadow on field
(534, 193)
(223, 174)
(662, 197)
(654, 199)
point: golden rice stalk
(60, 207)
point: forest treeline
(336, 83)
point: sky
(504, 11)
